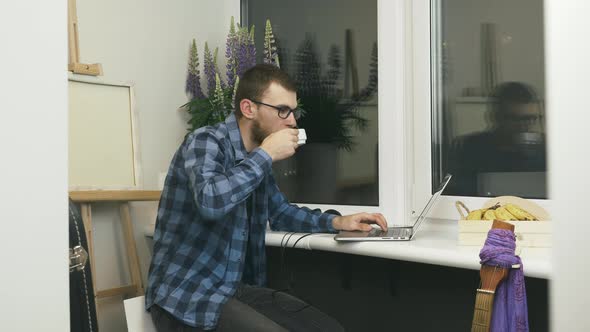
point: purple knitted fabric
(510, 313)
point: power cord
(283, 268)
(299, 239)
(288, 276)
(291, 279)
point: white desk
(435, 244)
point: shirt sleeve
(284, 216)
(218, 190)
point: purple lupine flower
(231, 53)
(246, 50)
(193, 79)
(251, 49)
(209, 68)
(243, 56)
(270, 49)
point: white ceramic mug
(302, 136)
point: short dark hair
(256, 80)
(509, 94)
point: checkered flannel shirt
(204, 242)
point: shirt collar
(235, 137)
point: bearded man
(208, 269)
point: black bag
(82, 304)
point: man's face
(522, 117)
(267, 120)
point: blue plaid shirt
(204, 243)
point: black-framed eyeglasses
(283, 111)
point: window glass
(329, 48)
(488, 120)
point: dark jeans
(257, 309)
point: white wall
(33, 141)
(145, 43)
(568, 70)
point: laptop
(395, 233)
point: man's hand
(281, 145)
(359, 222)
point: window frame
(394, 128)
(423, 94)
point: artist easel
(74, 64)
(123, 198)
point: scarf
(510, 313)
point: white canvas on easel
(102, 147)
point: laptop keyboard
(377, 232)
(401, 232)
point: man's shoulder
(216, 133)
(477, 139)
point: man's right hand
(281, 144)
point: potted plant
(329, 120)
(213, 107)
(330, 115)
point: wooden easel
(74, 64)
(122, 197)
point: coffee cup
(302, 137)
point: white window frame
(395, 127)
(422, 95)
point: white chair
(138, 320)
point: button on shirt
(204, 242)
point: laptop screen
(431, 202)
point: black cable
(283, 265)
(299, 239)
(290, 280)
(284, 271)
(283, 239)
(283, 255)
(288, 276)
(283, 247)
(289, 238)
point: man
(513, 143)
(208, 264)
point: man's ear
(247, 110)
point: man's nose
(291, 120)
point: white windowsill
(435, 244)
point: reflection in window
(330, 49)
(488, 118)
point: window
(478, 90)
(330, 49)
(488, 123)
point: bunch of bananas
(501, 212)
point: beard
(258, 134)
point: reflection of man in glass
(513, 143)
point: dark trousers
(257, 309)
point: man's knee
(238, 316)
